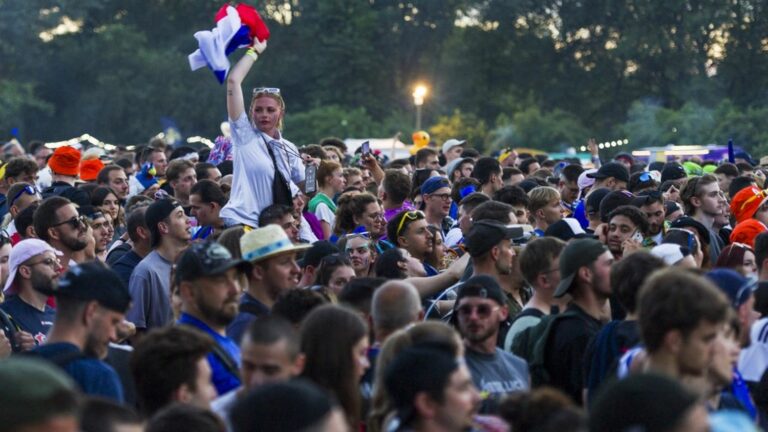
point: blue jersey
(223, 379)
(29, 318)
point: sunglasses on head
(410, 215)
(268, 90)
(29, 190)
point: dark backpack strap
(226, 359)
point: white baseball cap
(20, 253)
(451, 143)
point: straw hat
(266, 242)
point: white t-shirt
(324, 213)
(254, 172)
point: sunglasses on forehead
(29, 190)
(410, 215)
(268, 90)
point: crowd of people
(264, 286)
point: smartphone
(310, 179)
(637, 236)
(365, 148)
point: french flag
(236, 27)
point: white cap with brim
(451, 143)
(266, 242)
(20, 253)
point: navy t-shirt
(29, 318)
(94, 377)
(125, 265)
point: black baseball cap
(614, 200)
(93, 281)
(315, 254)
(577, 254)
(206, 259)
(485, 234)
(481, 286)
(672, 171)
(689, 222)
(566, 229)
(592, 204)
(611, 169)
(156, 213)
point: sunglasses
(483, 310)
(29, 190)
(268, 90)
(410, 215)
(76, 222)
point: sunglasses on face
(76, 222)
(483, 310)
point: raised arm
(235, 101)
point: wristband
(250, 52)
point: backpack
(531, 345)
(604, 357)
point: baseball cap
(206, 259)
(614, 200)
(670, 253)
(481, 286)
(315, 254)
(451, 143)
(611, 169)
(736, 287)
(576, 255)
(434, 183)
(34, 391)
(157, 212)
(486, 234)
(672, 171)
(454, 164)
(93, 281)
(584, 180)
(592, 204)
(566, 229)
(20, 253)
(689, 222)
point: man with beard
(58, 223)
(91, 301)
(208, 281)
(585, 268)
(33, 266)
(480, 309)
(651, 203)
(704, 202)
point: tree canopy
(543, 74)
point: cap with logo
(577, 254)
(93, 281)
(481, 286)
(206, 259)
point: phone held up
(310, 179)
(365, 148)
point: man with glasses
(480, 309)
(436, 192)
(704, 202)
(33, 267)
(651, 203)
(113, 177)
(58, 223)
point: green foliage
(546, 74)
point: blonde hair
(274, 96)
(541, 196)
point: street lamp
(419, 92)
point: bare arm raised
(235, 101)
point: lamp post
(419, 92)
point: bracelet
(250, 52)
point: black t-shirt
(564, 354)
